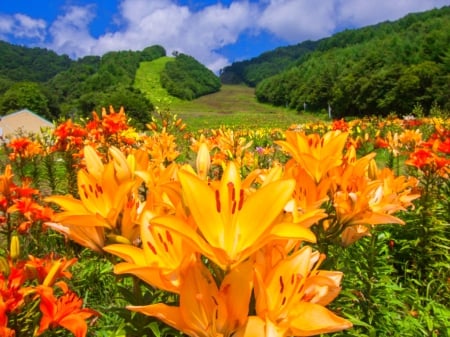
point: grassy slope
(147, 80)
(232, 106)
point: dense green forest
(67, 88)
(187, 79)
(270, 63)
(19, 63)
(389, 67)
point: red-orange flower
(65, 311)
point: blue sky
(216, 32)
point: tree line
(387, 68)
(56, 87)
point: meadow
(227, 222)
(233, 106)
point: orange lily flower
(159, 261)
(316, 154)
(106, 199)
(206, 310)
(366, 196)
(65, 311)
(293, 295)
(4, 330)
(230, 226)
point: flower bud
(14, 250)
(203, 161)
(4, 266)
(372, 170)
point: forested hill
(19, 63)
(270, 63)
(388, 67)
(57, 87)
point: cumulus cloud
(180, 29)
(22, 26)
(362, 13)
(298, 20)
(70, 32)
(202, 31)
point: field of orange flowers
(338, 228)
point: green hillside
(147, 80)
(391, 67)
(18, 63)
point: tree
(23, 95)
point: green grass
(147, 80)
(233, 106)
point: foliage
(385, 68)
(20, 64)
(101, 81)
(270, 63)
(187, 79)
(27, 95)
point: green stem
(370, 258)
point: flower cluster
(231, 240)
(35, 289)
(237, 230)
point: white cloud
(22, 26)
(28, 27)
(6, 25)
(298, 20)
(70, 31)
(177, 28)
(363, 13)
(203, 31)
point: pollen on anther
(217, 201)
(152, 248)
(169, 237)
(281, 284)
(241, 199)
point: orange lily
(4, 330)
(159, 261)
(230, 226)
(316, 154)
(106, 199)
(206, 310)
(65, 311)
(293, 295)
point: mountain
(389, 67)
(270, 63)
(19, 63)
(57, 87)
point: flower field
(328, 228)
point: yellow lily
(293, 295)
(361, 202)
(163, 254)
(206, 310)
(230, 225)
(316, 154)
(107, 203)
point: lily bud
(203, 161)
(372, 170)
(4, 266)
(14, 250)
